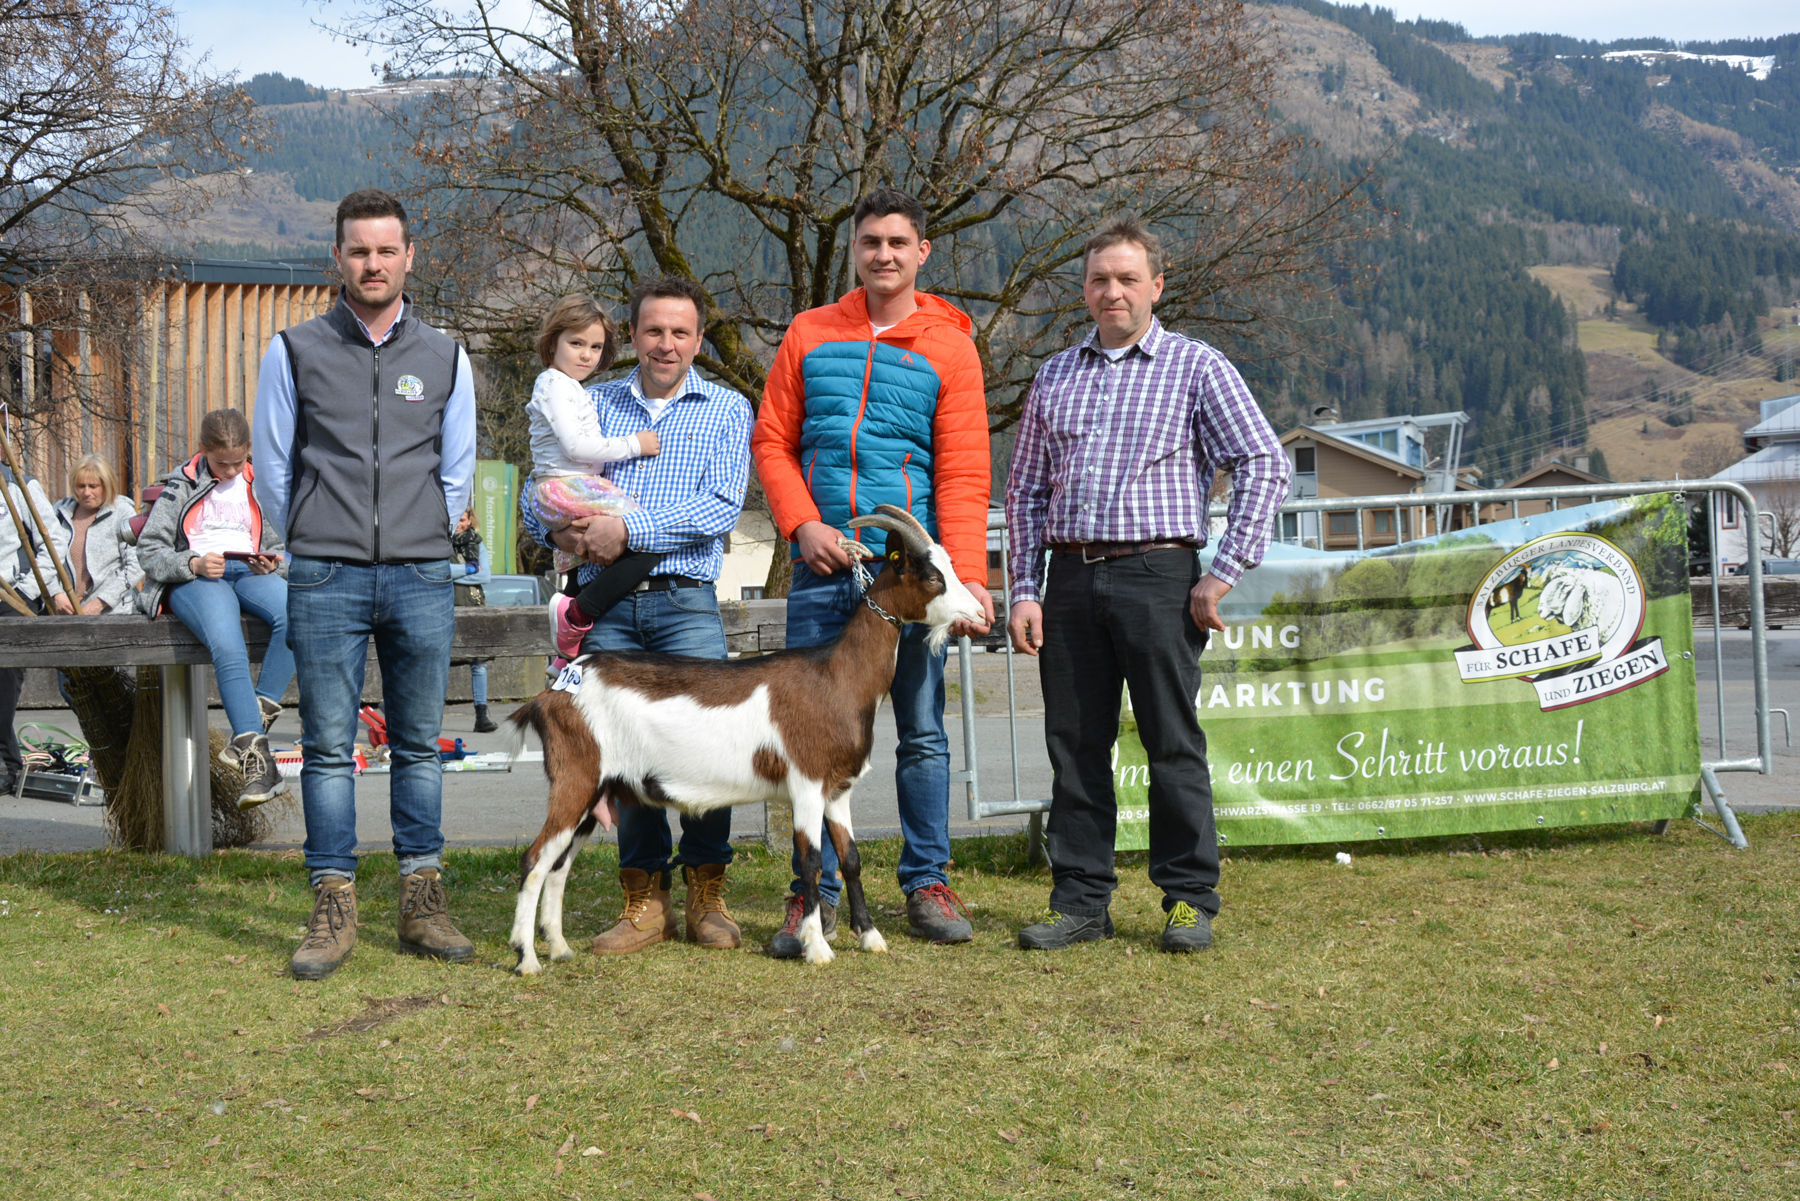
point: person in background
(469, 571)
(211, 558)
(16, 562)
(94, 519)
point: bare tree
(597, 140)
(104, 125)
(1779, 518)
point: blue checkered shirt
(1126, 452)
(692, 489)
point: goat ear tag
(568, 680)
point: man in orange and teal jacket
(878, 399)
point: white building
(746, 566)
(1772, 474)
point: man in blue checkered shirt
(690, 493)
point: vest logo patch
(411, 387)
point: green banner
(497, 512)
(1535, 672)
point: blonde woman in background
(94, 520)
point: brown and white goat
(699, 734)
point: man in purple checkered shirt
(1117, 448)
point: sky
(282, 35)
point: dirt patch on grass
(377, 1011)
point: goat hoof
(820, 952)
(527, 964)
(562, 956)
(872, 941)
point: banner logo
(1562, 613)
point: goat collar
(882, 613)
(861, 575)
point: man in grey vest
(364, 444)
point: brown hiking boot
(709, 923)
(330, 932)
(648, 916)
(425, 927)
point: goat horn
(898, 521)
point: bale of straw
(103, 700)
(134, 808)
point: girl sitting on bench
(208, 557)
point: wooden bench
(163, 642)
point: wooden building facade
(125, 368)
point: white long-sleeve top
(565, 429)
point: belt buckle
(1084, 555)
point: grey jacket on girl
(162, 547)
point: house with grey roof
(1771, 472)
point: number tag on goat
(568, 680)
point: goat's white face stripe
(956, 604)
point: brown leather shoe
(425, 927)
(648, 916)
(709, 923)
(330, 932)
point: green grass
(1587, 1014)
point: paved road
(506, 808)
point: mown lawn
(1600, 1013)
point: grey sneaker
(425, 927)
(330, 932)
(786, 943)
(250, 754)
(1188, 929)
(935, 913)
(1059, 930)
(270, 711)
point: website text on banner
(1535, 672)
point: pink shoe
(566, 627)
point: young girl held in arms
(568, 453)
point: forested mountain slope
(1547, 197)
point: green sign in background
(496, 507)
(1334, 709)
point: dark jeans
(334, 611)
(1125, 621)
(681, 621)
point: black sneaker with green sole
(1059, 930)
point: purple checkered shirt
(1126, 451)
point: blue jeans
(213, 610)
(478, 682)
(681, 621)
(818, 608)
(334, 609)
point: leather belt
(664, 583)
(1098, 552)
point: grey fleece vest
(368, 440)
